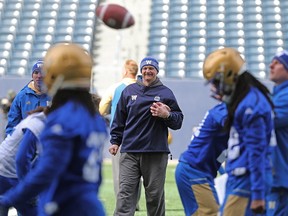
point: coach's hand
(113, 149)
(160, 110)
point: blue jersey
(207, 149)
(280, 152)
(26, 100)
(71, 161)
(248, 146)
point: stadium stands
(30, 27)
(183, 32)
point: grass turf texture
(172, 200)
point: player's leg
(197, 192)
(153, 168)
(86, 204)
(129, 177)
(237, 196)
(185, 190)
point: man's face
(37, 78)
(278, 73)
(149, 73)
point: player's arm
(51, 163)
(14, 115)
(256, 145)
(26, 154)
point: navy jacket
(134, 127)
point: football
(115, 16)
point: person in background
(278, 198)
(198, 165)
(6, 102)
(145, 111)
(18, 153)
(68, 172)
(250, 123)
(30, 97)
(96, 100)
(108, 106)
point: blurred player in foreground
(278, 199)
(68, 173)
(18, 154)
(144, 112)
(250, 123)
(198, 165)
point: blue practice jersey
(71, 161)
(248, 146)
(207, 149)
(280, 152)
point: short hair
(131, 66)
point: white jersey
(9, 146)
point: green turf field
(173, 202)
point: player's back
(78, 137)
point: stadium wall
(192, 95)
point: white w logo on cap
(148, 61)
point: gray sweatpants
(152, 168)
(115, 170)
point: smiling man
(29, 98)
(145, 111)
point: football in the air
(115, 16)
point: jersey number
(91, 169)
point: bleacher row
(29, 27)
(183, 32)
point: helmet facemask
(221, 68)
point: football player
(198, 165)
(250, 123)
(68, 173)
